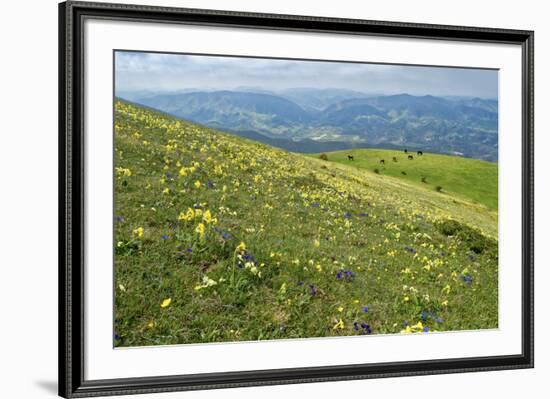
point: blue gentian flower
(313, 289)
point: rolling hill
(467, 178)
(468, 126)
(220, 238)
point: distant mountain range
(315, 120)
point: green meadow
(218, 238)
(463, 177)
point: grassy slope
(469, 178)
(303, 225)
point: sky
(135, 71)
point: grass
(218, 238)
(464, 177)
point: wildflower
(206, 282)
(200, 230)
(139, 231)
(122, 288)
(189, 249)
(339, 325)
(282, 290)
(197, 184)
(366, 328)
(418, 327)
(312, 289)
(207, 217)
(340, 309)
(319, 268)
(166, 191)
(123, 172)
(317, 243)
(365, 309)
(189, 215)
(446, 289)
(166, 303)
(241, 247)
(151, 324)
(165, 236)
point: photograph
(269, 198)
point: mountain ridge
(466, 126)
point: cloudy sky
(171, 72)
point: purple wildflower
(312, 289)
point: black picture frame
(71, 199)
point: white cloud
(153, 71)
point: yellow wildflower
(241, 247)
(339, 325)
(166, 303)
(200, 230)
(139, 231)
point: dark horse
(410, 157)
(350, 158)
(382, 161)
(405, 151)
(419, 153)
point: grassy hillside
(218, 238)
(469, 178)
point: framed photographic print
(252, 199)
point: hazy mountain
(301, 119)
(318, 99)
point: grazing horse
(419, 153)
(382, 161)
(350, 158)
(394, 159)
(410, 157)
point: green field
(468, 178)
(218, 238)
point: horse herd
(383, 161)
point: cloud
(161, 72)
